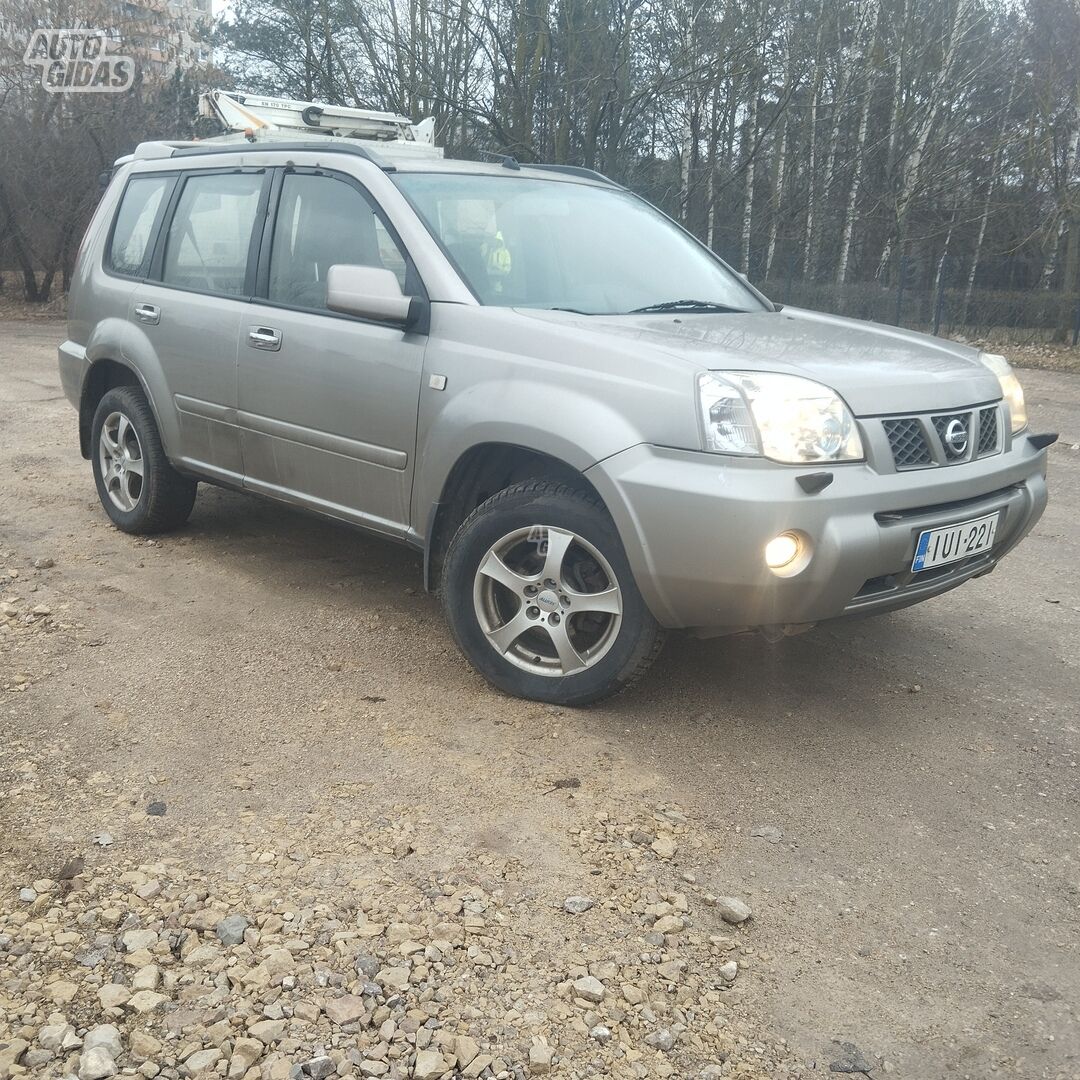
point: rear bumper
(72, 362)
(695, 527)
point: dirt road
(897, 799)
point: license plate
(936, 547)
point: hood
(876, 369)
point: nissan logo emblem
(956, 437)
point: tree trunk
(22, 256)
(909, 175)
(984, 217)
(811, 165)
(685, 154)
(856, 183)
(1070, 285)
(1050, 266)
(748, 155)
(894, 118)
(779, 166)
(710, 186)
(780, 160)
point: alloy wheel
(547, 601)
(122, 463)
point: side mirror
(369, 292)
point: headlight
(783, 417)
(1011, 390)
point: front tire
(140, 491)
(541, 600)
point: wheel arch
(477, 474)
(103, 375)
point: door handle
(148, 313)
(264, 337)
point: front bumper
(695, 527)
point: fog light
(781, 551)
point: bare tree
(826, 138)
(56, 145)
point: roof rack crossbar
(320, 146)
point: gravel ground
(260, 820)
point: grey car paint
(612, 397)
(695, 532)
(333, 426)
(97, 309)
(191, 351)
(876, 369)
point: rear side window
(206, 247)
(143, 198)
(321, 222)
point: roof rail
(320, 146)
(158, 148)
(576, 170)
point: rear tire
(541, 600)
(140, 491)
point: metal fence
(941, 305)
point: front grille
(927, 441)
(954, 433)
(908, 443)
(988, 431)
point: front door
(327, 402)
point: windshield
(547, 244)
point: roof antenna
(508, 161)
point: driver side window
(321, 222)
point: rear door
(187, 316)
(327, 402)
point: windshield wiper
(572, 310)
(686, 305)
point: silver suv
(592, 428)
